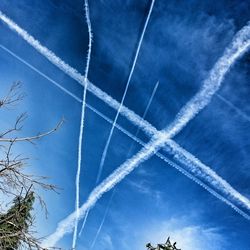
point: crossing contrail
(104, 154)
(134, 118)
(78, 174)
(74, 74)
(235, 50)
(106, 147)
(193, 165)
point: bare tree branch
(14, 180)
(32, 138)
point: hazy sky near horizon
(183, 41)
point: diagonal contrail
(193, 165)
(145, 113)
(102, 222)
(40, 73)
(77, 181)
(74, 74)
(239, 46)
(134, 118)
(232, 106)
(104, 154)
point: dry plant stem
(32, 138)
(13, 179)
(13, 96)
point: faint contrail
(104, 154)
(128, 154)
(143, 117)
(237, 48)
(103, 220)
(231, 105)
(194, 166)
(40, 73)
(145, 113)
(77, 181)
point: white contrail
(103, 220)
(40, 73)
(238, 47)
(78, 174)
(74, 74)
(193, 164)
(104, 154)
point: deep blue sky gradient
(183, 41)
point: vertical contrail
(77, 181)
(143, 117)
(237, 48)
(124, 94)
(104, 154)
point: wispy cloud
(188, 236)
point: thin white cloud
(188, 236)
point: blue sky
(183, 41)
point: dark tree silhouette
(166, 246)
(15, 223)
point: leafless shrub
(13, 178)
